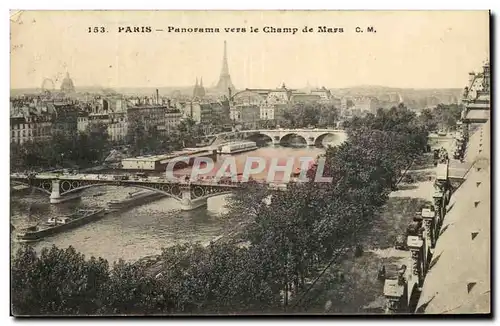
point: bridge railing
(276, 130)
(113, 178)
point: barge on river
(237, 147)
(56, 225)
(136, 198)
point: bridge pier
(57, 198)
(188, 203)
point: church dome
(67, 85)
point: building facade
(152, 117)
(476, 97)
(173, 117)
(109, 112)
(36, 126)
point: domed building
(67, 85)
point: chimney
(229, 91)
(157, 97)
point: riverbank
(360, 290)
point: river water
(140, 231)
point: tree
(56, 282)
(427, 118)
(64, 150)
(303, 115)
(441, 117)
(136, 135)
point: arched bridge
(311, 136)
(62, 188)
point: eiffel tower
(225, 83)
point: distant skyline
(411, 49)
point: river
(140, 231)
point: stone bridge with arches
(312, 137)
(62, 188)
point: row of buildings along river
(36, 115)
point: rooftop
(458, 280)
(161, 157)
(478, 115)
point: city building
(160, 162)
(65, 117)
(118, 121)
(39, 118)
(324, 94)
(305, 98)
(173, 117)
(30, 124)
(459, 280)
(200, 112)
(149, 113)
(147, 163)
(451, 258)
(476, 97)
(207, 112)
(251, 105)
(245, 106)
(365, 104)
(109, 112)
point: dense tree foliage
(287, 243)
(151, 141)
(190, 278)
(64, 150)
(441, 117)
(303, 115)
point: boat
(142, 196)
(20, 187)
(59, 224)
(139, 192)
(99, 194)
(237, 147)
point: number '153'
(97, 29)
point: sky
(410, 49)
